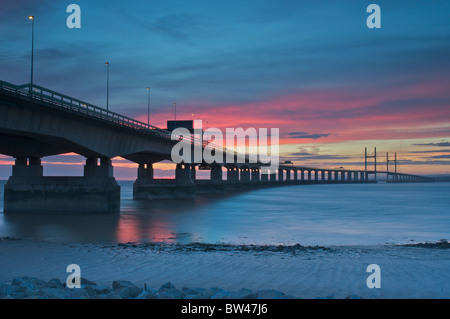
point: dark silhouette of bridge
(36, 122)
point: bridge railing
(66, 102)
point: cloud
(432, 151)
(306, 135)
(443, 144)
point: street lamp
(148, 107)
(32, 51)
(175, 105)
(107, 86)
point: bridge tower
(374, 156)
(394, 176)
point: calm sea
(308, 215)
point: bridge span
(36, 122)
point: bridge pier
(147, 187)
(28, 191)
(214, 185)
(255, 177)
(273, 177)
(264, 175)
(288, 175)
(280, 175)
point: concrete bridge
(36, 122)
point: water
(310, 215)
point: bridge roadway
(36, 122)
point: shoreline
(417, 270)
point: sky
(313, 69)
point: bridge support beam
(244, 175)
(280, 175)
(255, 175)
(28, 191)
(288, 175)
(273, 177)
(264, 175)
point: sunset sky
(313, 69)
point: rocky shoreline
(35, 288)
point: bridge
(36, 122)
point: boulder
(245, 293)
(271, 294)
(149, 294)
(169, 291)
(126, 289)
(28, 282)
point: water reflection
(309, 215)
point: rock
(118, 284)
(168, 291)
(28, 282)
(354, 297)
(90, 291)
(54, 293)
(210, 292)
(55, 283)
(101, 289)
(3, 289)
(193, 293)
(244, 293)
(271, 294)
(126, 289)
(223, 294)
(85, 282)
(149, 294)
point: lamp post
(107, 86)
(148, 107)
(32, 52)
(175, 105)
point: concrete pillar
(232, 175)
(329, 176)
(27, 190)
(145, 172)
(193, 172)
(183, 174)
(316, 176)
(342, 176)
(255, 175)
(309, 175)
(23, 168)
(216, 173)
(302, 175)
(92, 169)
(264, 175)
(245, 175)
(280, 175)
(288, 175)
(295, 175)
(273, 177)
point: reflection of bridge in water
(36, 122)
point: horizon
(332, 85)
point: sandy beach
(303, 272)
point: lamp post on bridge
(32, 52)
(107, 86)
(175, 106)
(148, 106)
